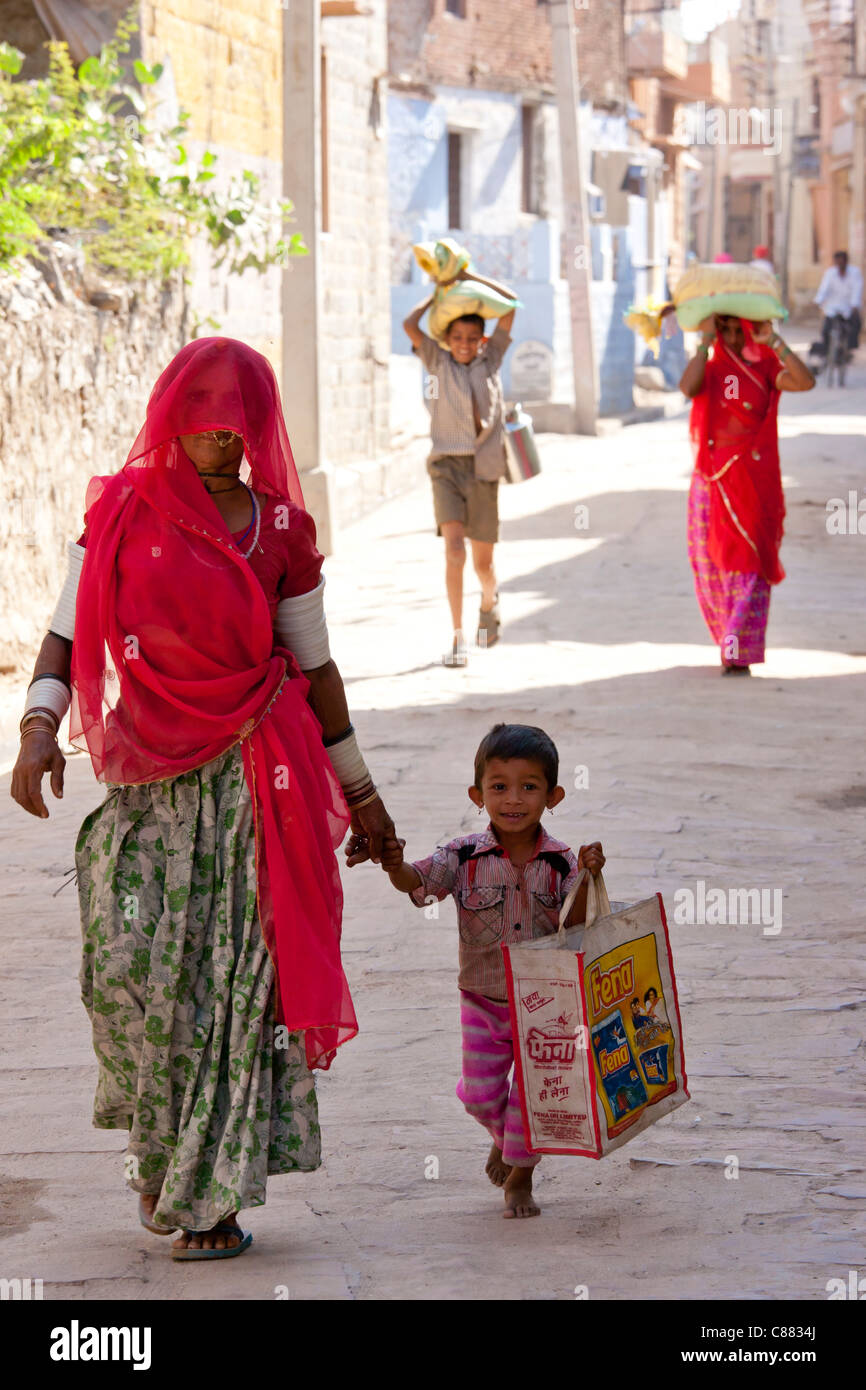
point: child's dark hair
(518, 741)
(466, 318)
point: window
(527, 199)
(455, 179)
(816, 105)
(456, 7)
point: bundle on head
(742, 291)
(442, 261)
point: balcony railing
(655, 46)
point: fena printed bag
(598, 1050)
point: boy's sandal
(222, 1229)
(489, 624)
(150, 1226)
(735, 670)
(458, 655)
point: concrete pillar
(576, 218)
(301, 285)
(857, 228)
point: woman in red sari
(191, 643)
(736, 505)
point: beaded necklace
(256, 521)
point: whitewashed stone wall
(356, 324)
(74, 382)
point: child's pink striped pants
(485, 1087)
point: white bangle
(348, 763)
(300, 625)
(63, 618)
(47, 692)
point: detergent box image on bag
(597, 1036)
(623, 986)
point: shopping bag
(521, 454)
(595, 1020)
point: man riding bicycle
(841, 293)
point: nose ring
(222, 437)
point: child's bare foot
(496, 1170)
(519, 1200)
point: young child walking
(509, 882)
(467, 459)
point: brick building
(837, 32)
(474, 153)
(803, 64)
(502, 47)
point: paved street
(740, 784)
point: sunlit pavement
(739, 784)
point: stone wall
(227, 65)
(74, 382)
(354, 245)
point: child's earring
(481, 810)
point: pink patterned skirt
(735, 605)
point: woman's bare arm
(40, 751)
(327, 698)
(795, 375)
(692, 379)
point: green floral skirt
(178, 984)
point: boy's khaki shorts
(459, 496)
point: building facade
(474, 154)
(296, 94)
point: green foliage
(83, 151)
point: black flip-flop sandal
(221, 1229)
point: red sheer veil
(219, 383)
(173, 643)
(174, 662)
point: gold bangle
(36, 729)
(39, 714)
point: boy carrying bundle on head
(468, 455)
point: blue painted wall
(418, 192)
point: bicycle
(838, 353)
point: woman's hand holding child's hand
(392, 853)
(591, 857)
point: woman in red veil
(736, 505)
(191, 642)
